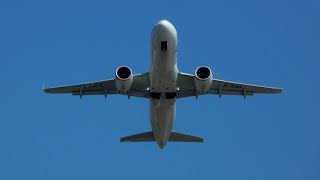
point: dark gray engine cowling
(124, 78)
(203, 79)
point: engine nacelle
(203, 79)
(124, 78)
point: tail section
(148, 136)
(142, 137)
(179, 137)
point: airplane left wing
(138, 88)
(219, 87)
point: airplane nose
(164, 26)
(161, 26)
(164, 36)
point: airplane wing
(219, 87)
(138, 89)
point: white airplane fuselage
(163, 80)
(160, 86)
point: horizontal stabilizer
(179, 137)
(142, 137)
(148, 136)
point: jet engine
(123, 80)
(203, 79)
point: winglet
(276, 90)
(279, 90)
(43, 87)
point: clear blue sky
(61, 137)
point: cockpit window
(164, 46)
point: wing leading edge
(219, 87)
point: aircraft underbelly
(163, 79)
(163, 110)
(163, 115)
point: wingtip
(43, 88)
(279, 90)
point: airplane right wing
(187, 87)
(138, 89)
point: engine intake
(203, 79)
(124, 77)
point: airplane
(162, 86)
